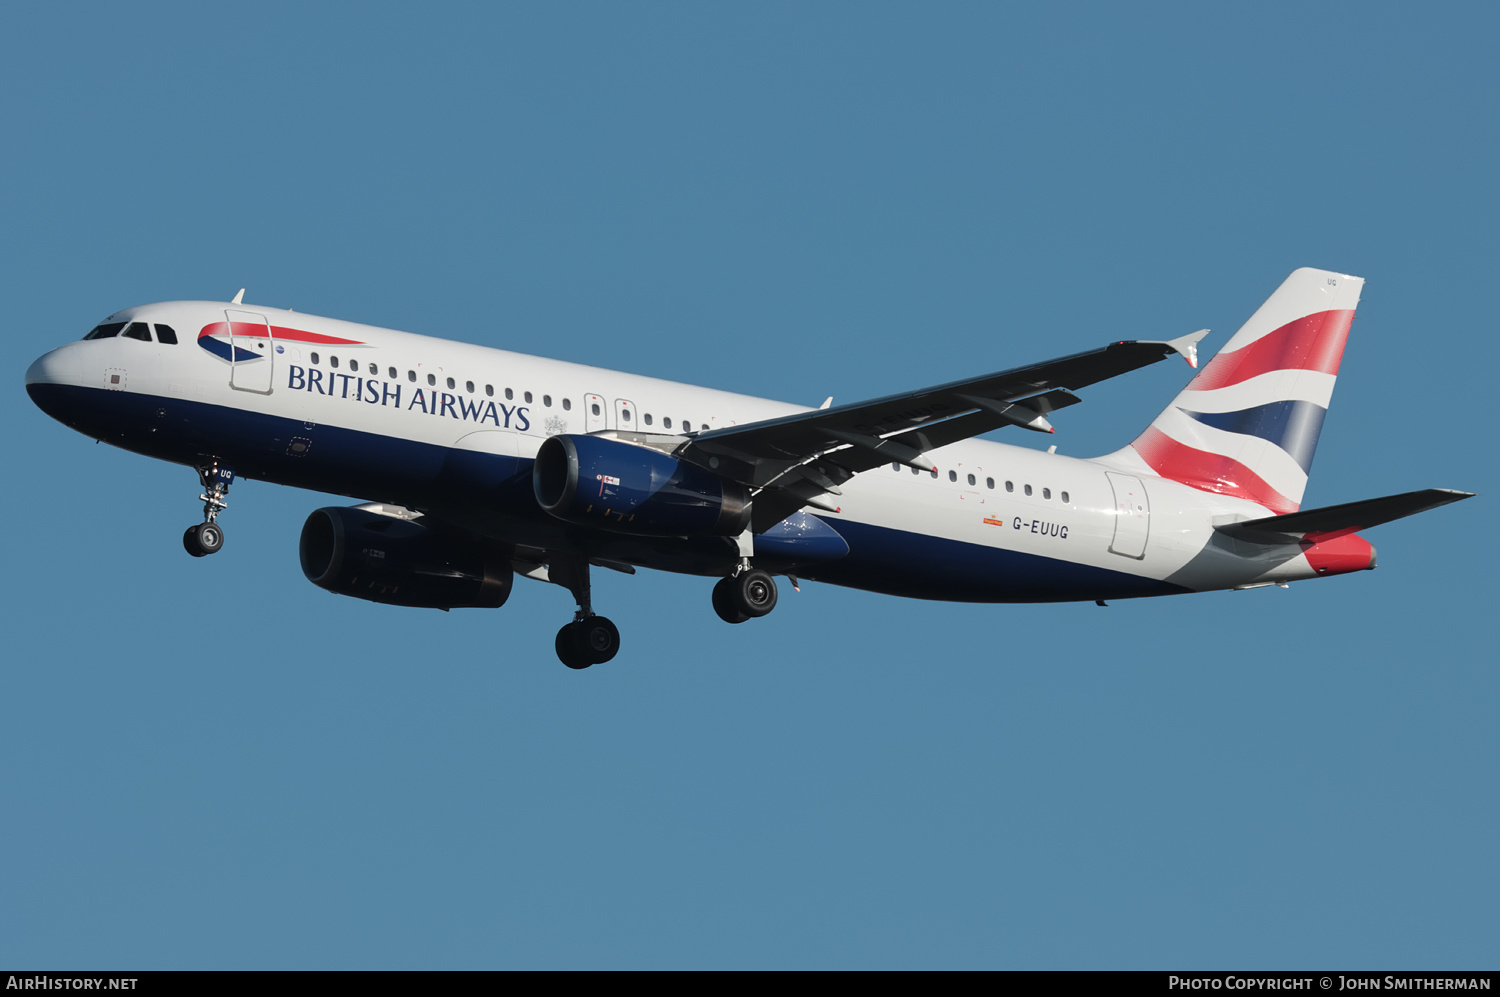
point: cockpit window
(105, 331)
(139, 330)
(166, 334)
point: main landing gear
(207, 537)
(745, 595)
(589, 639)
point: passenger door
(253, 350)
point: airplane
(478, 465)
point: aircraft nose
(49, 376)
(60, 366)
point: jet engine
(594, 481)
(401, 563)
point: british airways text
(427, 401)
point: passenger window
(469, 387)
(896, 467)
(624, 415)
(450, 383)
(568, 407)
(139, 330)
(595, 409)
(666, 423)
(1046, 493)
(107, 331)
(934, 472)
(374, 369)
(915, 471)
(527, 396)
(315, 359)
(489, 389)
(510, 396)
(1065, 498)
(411, 376)
(971, 479)
(952, 475)
(687, 427)
(989, 483)
(647, 417)
(1028, 489)
(333, 361)
(1010, 486)
(547, 401)
(431, 380)
(391, 373)
(166, 334)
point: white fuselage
(994, 523)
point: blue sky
(214, 764)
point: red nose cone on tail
(1337, 555)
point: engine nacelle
(401, 563)
(595, 481)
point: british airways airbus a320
(480, 464)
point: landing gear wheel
(753, 593)
(599, 639)
(203, 539)
(724, 603)
(568, 651)
(590, 641)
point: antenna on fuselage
(238, 299)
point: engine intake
(401, 563)
(594, 481)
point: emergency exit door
(1132, 515)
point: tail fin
(1248, 424)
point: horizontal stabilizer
(1337, 520)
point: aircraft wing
(795, 460)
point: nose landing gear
(207, 537)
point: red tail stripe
(296, 335)
(1313, 342)
(1209, 471)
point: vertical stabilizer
(1248, 424)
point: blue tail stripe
(1290, 424)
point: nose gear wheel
(203, 539)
